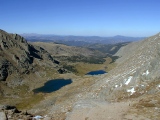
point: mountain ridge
(20, 60)
(80, 40)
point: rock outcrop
(8, 112)
(18, 56)
(24, 66)
(2, 116)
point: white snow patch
(142, 85)
(116, 86)
(146, 73)
(131, 91)
(38, 117)
(129, 79)
(107, 81)
(159, 86)
(155, 38)
(78, 105)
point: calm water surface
(53, 85)
(97, 72)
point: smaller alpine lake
(97, 72)
(56, 84)
(53, 85)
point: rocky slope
(108, 48)
(136, 76)
(73, 58)
(19, 58)
(133, 84)
(72, 54)
(64, 50)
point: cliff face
(18, 56)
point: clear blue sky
(81, 17)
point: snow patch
(131, 91)
(38, 117)
(116, 86)
(159, 86)
(129, 80)
(78, 105)
(146, 73)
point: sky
(137, 18)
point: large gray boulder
(2, 116)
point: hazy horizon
(105, 18)
(78, 35)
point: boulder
(2, 116)
(61, 71)
(3, 69)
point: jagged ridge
(18, 56)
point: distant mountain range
(79, 40)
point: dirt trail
(101, 111)
(105, 111)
